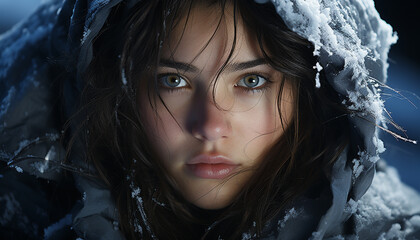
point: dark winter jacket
(41, 62)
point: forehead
(206, 35)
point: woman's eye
(251, 81)
(172, 81)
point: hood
(351, 42)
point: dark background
(403, 76)
(403, 102)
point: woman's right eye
(172, 81)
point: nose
(209, 122)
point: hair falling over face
(128, 55)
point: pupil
(173, 81)
(252, 81)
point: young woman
(217, 119)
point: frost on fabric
(352, 31)
(386, 199)
(135, 194)
(292, 213)
(318, 68)
(43, 166)
(351, 206)
(357, 168)
(94, 6)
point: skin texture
(211, 115)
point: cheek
(260, 126)
(163, 129)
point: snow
(353, 32)
(115, 224)
(393, 233)
(292, 213)
(386, 199)
(318, 68)
(357, 168)
(351, 206)
(123, 77)
(135, 194)
(18, 169)
(42, 166)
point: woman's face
(211, 130)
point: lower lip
(211, 171)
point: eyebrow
(231, 67)
(245, 65)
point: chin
(213, 200)
(212, 204)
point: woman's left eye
(252, 81)
(172, 81)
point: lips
(211, 166)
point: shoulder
(389, 209)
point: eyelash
(262, 88)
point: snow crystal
(43, 166)
(85, 35)
(135, 194)
(22, 144)
(51, 154)
(138, 228)
(66, 221)
(351, 206)
(379, 144)
(357, 168)
(40, 166)
(123, 77)
(318, 68)
(18, 169)
(115, 224)
(52, 136)
(246, 236)
(158, 203)
(292, 213)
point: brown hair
(127, 50)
